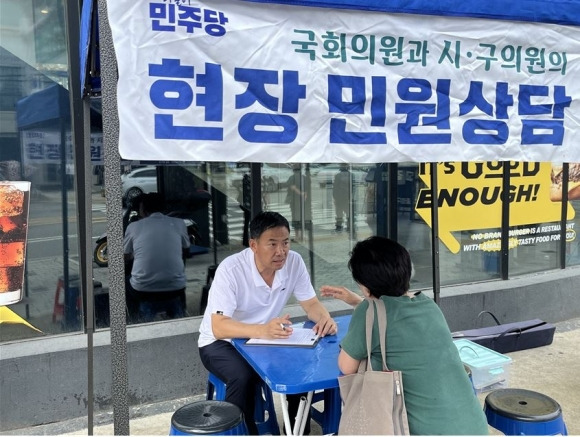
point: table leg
(301, 415)
(285, 414)
(304, 416)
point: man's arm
(128, 262)
(224, 327)
(128, 257)
(223, 297)
(185, 243)
(316, 312)
(185, 253)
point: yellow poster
(469, 198)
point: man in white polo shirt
(247, 296)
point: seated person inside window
(156, 245)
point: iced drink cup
(14, 199)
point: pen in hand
(284, 323)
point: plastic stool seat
(524, 412)
(208, 418)
(216, 389)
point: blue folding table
(291, 370)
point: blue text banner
(243, 81)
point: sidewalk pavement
(552, 370)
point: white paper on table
(304, 337)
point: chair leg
(216, 389)
(265, 405)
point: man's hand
(316, 312)
(326, 326)
(279, 327)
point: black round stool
(208, 418)
(523, 412)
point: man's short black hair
(266, 220)
(152, 202)
(381, 265)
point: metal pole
(120, 383)
(64, 201)
(392, 220)
(311, 224)
(564, 220)
(214, 221)
(351, 206)
(435, 233)
(505, 222)
(384, 199)
(80, 126)
(256, 177)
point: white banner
(43, 147)
(241, 81)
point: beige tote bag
(372, 400)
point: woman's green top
(438, 393)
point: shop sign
(469, 200)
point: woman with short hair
(439, 396)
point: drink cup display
(14, 201)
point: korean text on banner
(237, 81)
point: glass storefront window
(573, 219)
(326, 207)
(413, 231)
(534, 219)
(35, 146)
(330, 206)
(573, 236)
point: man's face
(271, 248)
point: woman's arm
(346, 363)
(342, 293)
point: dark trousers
(143, 306)
(224, 361)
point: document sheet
(304, 337)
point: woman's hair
(381, 265)
(266, 220)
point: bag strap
(491, 314)
(382, 318)
(519, 330)
(369, 332)
(379, 306)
